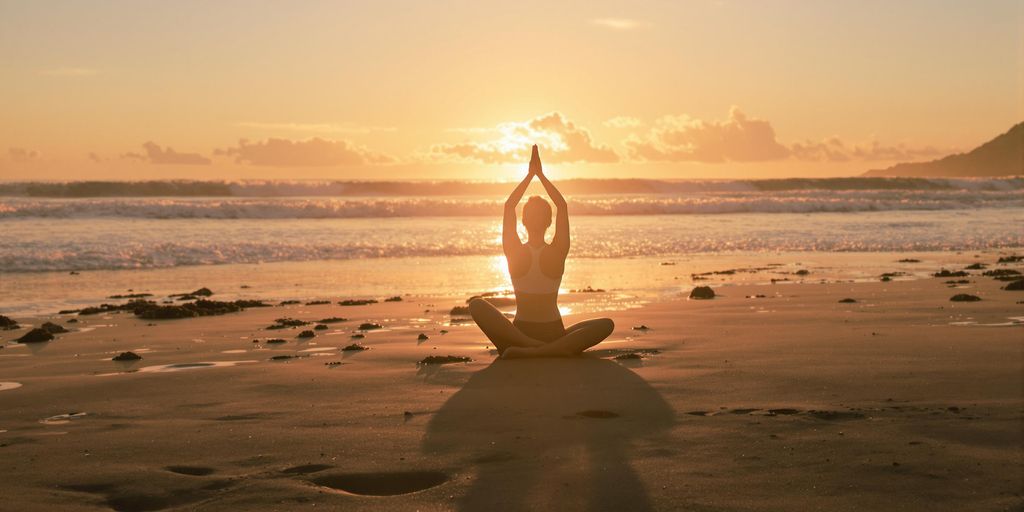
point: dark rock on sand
(975, 266)
(68, 311)
(367, 326)
(282, 358)
(355, 347)
(202, 307)
(289, 302)
(321, 327)
(1015, 286)
(423, 337)
(72, 320)
(802, 272)
(396, 298)
(444, 360)
(588, 289)
(36, 335)
(947, 273)
(53, 328)
(964, 297)
(275, 341)
(1011, 259)
(885, 279)
(702, 293)
(126, 356)
(307, 334)
(1001, 272)
(332, 320)
(641, 328)
(459, 311)
(7, 323)
(909, 260)
(284, 323)
(131, 296)
(251, 304)
(358, 336)
(357, 302)
(317, 302)
(847, 301)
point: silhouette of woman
(536, 269)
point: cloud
(684, 139)
(315, 127)
(315, 152)
(22, 155)
(67, 71)
(623, 122)
(156, 155)
(561, 141)
(619, 24)
(833, 149)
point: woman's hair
(537, 212)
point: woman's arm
(509, 235)
(560, 240)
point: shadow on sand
(550, 434)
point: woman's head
(536, 214)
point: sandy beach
(767, 397)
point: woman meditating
(536, 269)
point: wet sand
(901, 400)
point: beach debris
(964, 297)
(7, 323)
(284, 357)
(332, 320)
(443, 331)
(1010, 259)
(317, 302)
(53, 328)
(320, 327)
(202, 292)
(885, 279)
(369, 326)
(131, 296)
(355, 347)
(357, 302)
(275, 341)
(289, 302)
(72, 320)
(641, 327)
(802, 272)
(284, 323)
(847, 301)
(588, 289)
(443, 360)
(37, 335)
(73, 273)
(668, 263)
(396, 298)
(757, 296)
(702, 293)
(306, 334)
(1002, 272)
(358, 336)
(1015, 286)
(333, 363)
(909, 260)
(975, 266)
(423, 337)
(627, 357)
(126, 356)
(459, 311)
(947, 273)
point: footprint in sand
(381, 484)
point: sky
(139, 90)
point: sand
(902, 400)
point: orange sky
(425, 90)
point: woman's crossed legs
(512, 343)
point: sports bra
(534, 280)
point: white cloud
(315, 152)
(560, 139)
(620, 24)
(314, 127)
(623, 122)
(684, 139)
(154, 154)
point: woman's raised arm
(509, 234)
(560, 240)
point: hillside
(1001, 156)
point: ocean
(311, 239)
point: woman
(536, 269)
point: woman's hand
(535, 166)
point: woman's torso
(537, 290)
